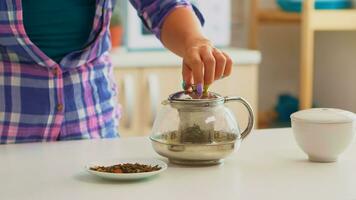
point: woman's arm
(202, 62)
(178, 27)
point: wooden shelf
(278, 16)
(320, 19)
(333, 20)
(311, 20)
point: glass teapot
(197, 129)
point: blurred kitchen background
(264, 41)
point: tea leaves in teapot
(195, 134)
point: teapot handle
(249, 127)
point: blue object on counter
(296, 5)
(286, 105)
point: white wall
(335, 70)
(335, 64)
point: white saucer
(127, 176)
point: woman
(55, 72)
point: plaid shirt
(41, 100)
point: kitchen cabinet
(128, 85)
(145, 79)
(159, 82)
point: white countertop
(162, 58)
(269, 165)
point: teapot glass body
(191, 130)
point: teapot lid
(193, 98)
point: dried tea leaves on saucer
(126, 168)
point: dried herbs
(195, 134)
(126, 168)
(198, 137)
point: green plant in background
(116, 16)
(116, 24)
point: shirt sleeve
(154, 12)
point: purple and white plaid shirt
(41, 100)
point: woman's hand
(203, 64)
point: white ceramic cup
(323, 133)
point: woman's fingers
(209, 64)
(195, 64)
(228, 65)
(220, 64)
(203, 65)
(187, 77)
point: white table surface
(268, 165)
